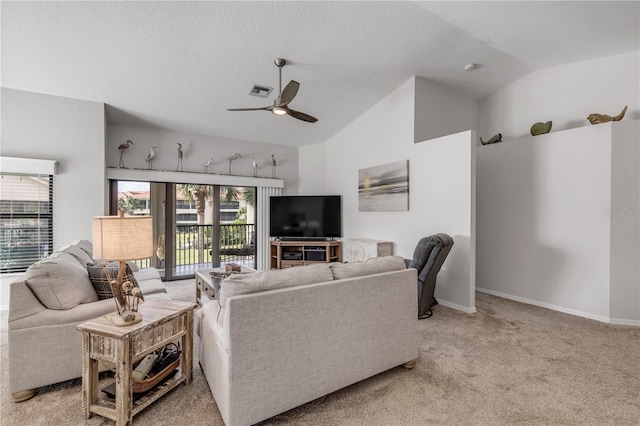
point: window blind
(26, 220)
(263, 252)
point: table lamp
(121, 239)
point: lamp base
(127, 318)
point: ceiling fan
(280, 105)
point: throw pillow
(60, 282)
(374, 265)
(99, 274)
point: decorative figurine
(255, 167)
(150, 157)
(602, 118)
(540, 128)
(122, 147)
(127, 301)
(273, 166)
(495, 139)
(180, 153)
(233, 157)
(207, 164)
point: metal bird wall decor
(122, 147)
(280, 105)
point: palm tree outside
(200, 194)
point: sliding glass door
(195, 226)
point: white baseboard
(600, 318)
(617, 321)
(457, 307)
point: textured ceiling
(179, 65)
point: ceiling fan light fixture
(279, 110)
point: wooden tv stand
(287, 254)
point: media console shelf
(286, 254)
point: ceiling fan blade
(267, 108)
(301, 116)
(290, 91)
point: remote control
(144, 367)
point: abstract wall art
(384, 187)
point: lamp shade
(122, 238)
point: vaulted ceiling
(180, 65)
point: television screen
(306, 216)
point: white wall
(565, 94)
(197, 150)
(441, 112)
(625, 223)
(544, 223)
(72, 132)
(312, 169)
(441, 186)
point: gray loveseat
(278, 339)
(45, 306)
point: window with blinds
(26, 220)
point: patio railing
(237, 243)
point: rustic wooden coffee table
(163, 322)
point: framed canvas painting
(384, 187)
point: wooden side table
(163, 322)
(204, 282)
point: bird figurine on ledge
(207, 164)
(180, 155)
(603, 118)
(495, 139)
(540, 128)
(122, 147)
(150, 157)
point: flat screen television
(306, 217)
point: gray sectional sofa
(277, 339)
(46, 304)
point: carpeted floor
(509, 363)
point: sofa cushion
(101, 274)
(84, 245)
(80, 255)
(149, 281)
(60, 282)
(374, 265)
(273, 279)
(270, 280)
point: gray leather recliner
(428, 257)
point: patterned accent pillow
(99, 274)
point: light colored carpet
(509, 363)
